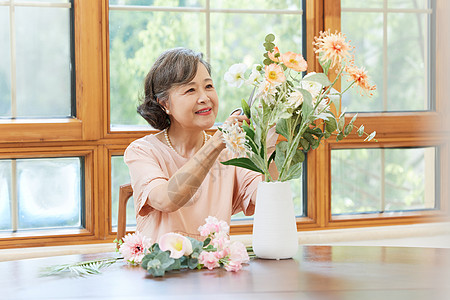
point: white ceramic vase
(274, 226)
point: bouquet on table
(172, 252)
(304, 108)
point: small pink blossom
(134, 247)
(238, 252)
(233, 266)
(213, 225)
(208, 259)
(177, 244)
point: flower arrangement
(301, 107)
(173, 252)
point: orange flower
(294, 61)
(272, 54)
(361, 79)
(274, 74)
(332, 47)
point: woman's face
(194, 105)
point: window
(77, 113)
(135, 44)
(29, 57)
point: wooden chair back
(125, 193)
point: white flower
(255, 77)
(235, 75)
(295, 99)
(234, 138)
(266, 91)
(177, 244)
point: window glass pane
(381, 180)
(5, 64)
(395, 48)
(257, 4)
(49, 192)
(247, 47)
(165, 3)
(368, 41)
(5, 188)
(409, 4)
(408, 66)
(135, 45)
(43, 62)
(120, 176)
(48, 1)
(361, 4)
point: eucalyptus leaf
(299, 157)
(348, 129)
(270, 38)
(305, 145)
(360, 130)
(371, 136)
(331, 125)
(341, 123)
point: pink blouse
(226, 190)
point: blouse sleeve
(146, 174)
(246, 183)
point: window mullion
(13, 202)
(208, 31)
(12, 46)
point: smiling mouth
(203, 111)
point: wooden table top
(317, 272)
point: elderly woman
(176, 174)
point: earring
(167, 111)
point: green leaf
(371, 136)
(325, 64)
(348, 129)
(307, 106)
(270, 38)
(319, 78)
(267, 61)
(331, 125)
(341, 123)
(206, 242)
(282, 128)
(192, 263)
(360, 130)
(294, 171)
(326, 135)
(340, 136)
(245, 108)
(304, 143)
(269, 46)
(280, 154)
(243, 162)
(353, 119)
(299, 157)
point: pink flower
(294, 61)
(238, 253)
(134, 247)
(274, 73)
(208, 259)
(177, 244)
(332, 47)
(220, 241)
(233, 266)
(213, 225)
(272, 54)
(360, 78)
